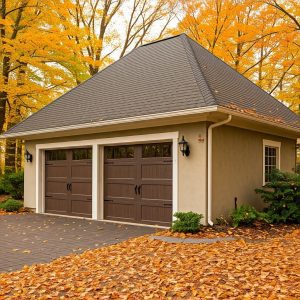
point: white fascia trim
(96, 168)
(185, 112)
(269, 143)
(257, 119)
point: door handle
(135, 189)
(69, 186)
(139, 189)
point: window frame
(274, 144)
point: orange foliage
(143, 268)
(260, 39)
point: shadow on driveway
(34, 238)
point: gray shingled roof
(165, 76)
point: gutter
(257, 119)
(101, 123)
(209, 167)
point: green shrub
(2, 190)
(298, 168)
(187, 222)
(13, 184)
(246, 215)
(282, 194)
(11, 205)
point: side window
(271, 158)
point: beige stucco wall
(191, 170)
(29, 178)
(238, 166)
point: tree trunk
(12, 159)
(10, 155)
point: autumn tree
(50, 46)
(106, 29)
(30, 77)
(288, 83)
(257, 38)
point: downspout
(209, 167)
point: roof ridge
(161, 40)
(208, 95)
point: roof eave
(294, 130)
(186, 112)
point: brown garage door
(138, 183)
(68, 182)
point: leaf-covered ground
(142, 268)
(260, 231)
(22, 211)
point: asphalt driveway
(34, 238)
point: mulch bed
(259, 231)
(22, 211)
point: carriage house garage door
(68, 182)
(138, 183)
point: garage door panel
(156, 192)
(81, 171)
(156, 171)
(57, 205)
(56, 187)
(119, 190)
(120, 211)
(120, 171)
(81, 208)
(156, 214)
(81, 188)
(56, 171)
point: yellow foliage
(260, 39)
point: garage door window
(157, 150)
(79, 154)
(119, 152)
(56, 155)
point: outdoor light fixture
(184, 147)
(28, 156)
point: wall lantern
(184, 147)
(28, 156)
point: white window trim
(98, 166)
(269, 143)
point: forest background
(48, 47)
